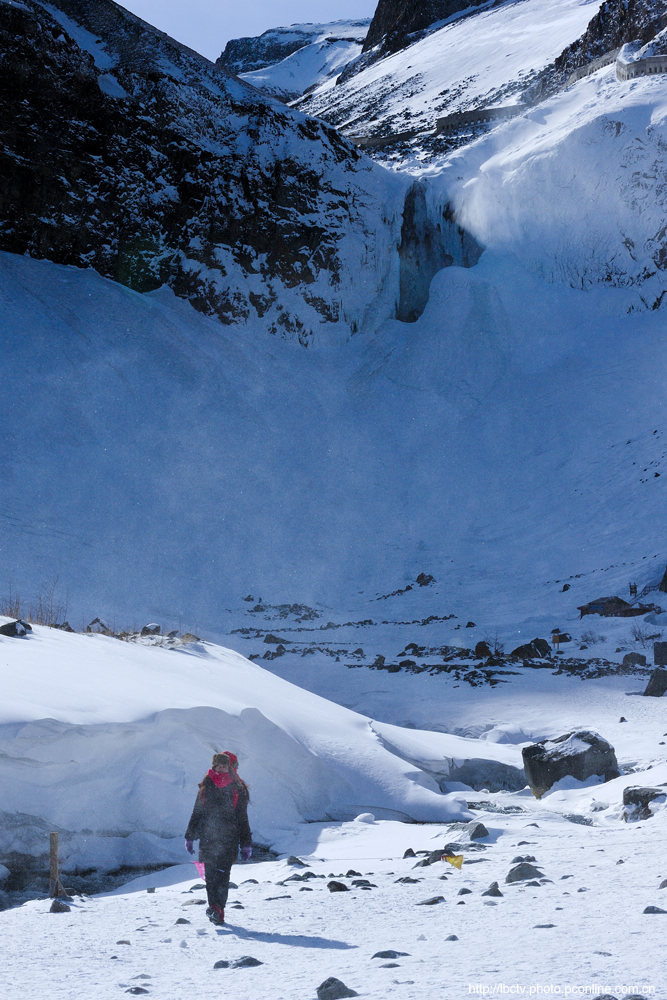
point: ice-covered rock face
(130, 154)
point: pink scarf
(221, 781)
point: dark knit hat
(227, 758)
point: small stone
(221, 964)
(247, 962)
(122, 941)
(390, 953)
(451, 937)
(136, 990)
(663, 884)
(409, 853)
(390, 965)
(522, 872)
(464, 892)
(654, 909)
(334, 886)
(334, 989)
(58, 907)
(493, 890)
(182, 920)
(433, 901)
(407, 880)
(544, 925)
(151, 889)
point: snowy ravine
(110, 739)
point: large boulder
(538, 649)
(657, 683)
(16, 629)
(579, 754)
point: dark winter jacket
(219, 820)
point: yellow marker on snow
(454, 859)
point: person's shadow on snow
(293, 940)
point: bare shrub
(592, 638)
(642, 636)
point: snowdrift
(106, 740)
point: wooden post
(55, 888)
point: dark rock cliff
(395, 20)
(123, 151)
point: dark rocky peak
(124, 151)
(396, 20)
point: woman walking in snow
(219, 822)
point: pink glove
(246, 853)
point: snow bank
(106, 741)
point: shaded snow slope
(162, 468)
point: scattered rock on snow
(538, 649)
(432, 901)
(390, 953)
(247, 962)
(476, 830)
(653, 909)
(335, 886)
(57, 906)
(637, 801)
(493, 890)
(334, 989)
(522, 872)
(657, 683)
(634, 660)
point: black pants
(217, 870)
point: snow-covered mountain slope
(246, 55)
(126, 152)
(286, 62)
(478, 59)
